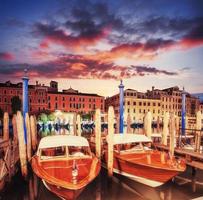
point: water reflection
(103, 188)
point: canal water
(104, 188)
(183, 187)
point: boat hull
(57, 175)
(136, 169)
(61, 192)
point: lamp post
(25, 101)
(121, 109)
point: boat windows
(131, 147)
(79, 151)
(53, 152)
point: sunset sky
(91, 45)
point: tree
(51, 117)
(43, 118)
(15, 104)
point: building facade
(37, 95)
(42, 98)
(157, 101)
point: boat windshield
(53, 152)
(131, 147)
(79, 151)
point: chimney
(153, 88)
(36, 83)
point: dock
(193, 159)
(9, 158)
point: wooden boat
(134, 159)
(65, 164)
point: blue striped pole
(183, 116)
(25, 101)
(121, 109)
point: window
(134, 103)
(128, 103)
(56, 98)
(140, 103)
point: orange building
(37, 96)
(43, 98)
(73, 101)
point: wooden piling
(198, 131)
(15, 134)
(172, 135)
(149, 125)
(74, 124)
(29, 144)
(129, 121)
(158, 124)
(6, 127)
(110, 140)
(78, 121)
(33, 130)
(165, 128)
(177, 124)
(98, 132)
(21, 144)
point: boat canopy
(62, 140)
(128, 138)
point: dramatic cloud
(194, 37)
(80, 67)
(54, 35)
(6, 56)
(143, 70)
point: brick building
(43, 98)
(73, 101)
(37, 95)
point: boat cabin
(66, 146)
(129, 143)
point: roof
(62, 140)
(76, 94)
(128, 138)
(14, 85)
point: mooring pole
(121, 118)
(183, 111)
(25, 102)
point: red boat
(65, 164)
(134, 159)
